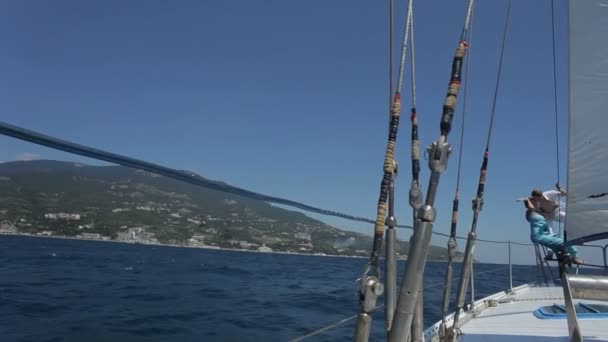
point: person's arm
(549, 201)
(529, 207)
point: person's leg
(549, 255)
(555, 243)
(572, 250)
(550, 227)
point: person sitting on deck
(551, 207)
(539, 233)
(549, 204)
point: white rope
(331, 326)
(412, 54)
(406, 33)
(467, 21)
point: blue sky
(289, 98)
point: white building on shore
(62, 216)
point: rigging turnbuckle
(371, 289)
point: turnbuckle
(371, 289)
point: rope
(484, 166)
(559, 194)
(391, 194)
(451, 244)
(482, 240)
(478, 201)
(412, 55)
(467, 21)
(415, 146)
(449, 105)
(406, 34)
(555, 88)
(500, 63)
(390, 56)
(460, 148)
(464, 106)
(389, 160)
(331, 326)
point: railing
(515, 276)
(353, 317)
(604, 252)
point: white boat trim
(508, 315)
(432, 332)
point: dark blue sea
(70, 290)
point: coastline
(61, 237)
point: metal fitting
(370, 291)
(477, 204)
(391, 221)
(452, 247)
(396, 169)
(427, 213)
(415, 196)
(439, 152)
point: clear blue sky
(288, 98)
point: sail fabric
(587, 200)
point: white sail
(587, 204)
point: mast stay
(439, 153)
(465, 271)
(371, 287)
(452, 244)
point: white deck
(513, 320)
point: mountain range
(45, 197)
